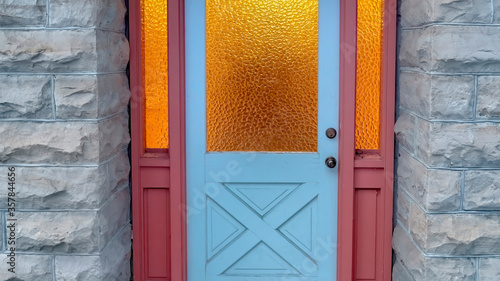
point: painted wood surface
(261, 216)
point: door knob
(331, 162)
(331, 133)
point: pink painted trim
(346, 135)
(177, 127)
(136, 126)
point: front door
(261, 93)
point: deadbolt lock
(331, 162)
(331, 133)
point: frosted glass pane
(155, 69)
(262, 75)
(368, 73)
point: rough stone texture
(450, 144)
(2, 227)
(403, 206)
(452, 49)
(420, 12)
(90, 96)
(62, 51)
(83, 232)
(399, 272)
(488, 269)
(49, 187)
(107, 14)
(482, 190)
(64, 142)
(58, 232)
(425, 268)
(437, 97)
(104, 267)
(26, 97)
(28, 268)
(456, 234)
(113, 216)
(488, 97)
(434, 190)
(15, 13)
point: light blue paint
(271, 216)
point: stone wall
(448, 172)
(64, 127)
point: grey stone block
(110, 265)
(2, 227)
(90, 96)
(421, 12)
(451, 144)
(425, 268)
(68, 187)
(482, 190)
(437, 97)
(452, 49)
(114, 216)
(405, 130)
(15, 13)
(107, 14)
(26, 97)
(28, 268)
(489, 269)
(58, 232)
(399, 273)
(403, 208)
(488, 97)
(456, 234)
(64, 142)
(58, 51)
(434, 190)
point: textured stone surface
(28, 268)
(450, 144)
(405, 130)
(62, 51)
(26, 97)
(437, 97)
(453, 49)
(423, 268)
(482, 190)
(420, 12)
(489, 269)
(90, 96)
(399, 273)
(488, 97)
(58, 232)
(68, 187)
(107, 14)
(434, 190)
(114, 216)
(110, 265)
(403, 207)
(2, 227)
(63, 142)
(23, 13)
(456, 234)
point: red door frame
(158, 176)
(365, 177)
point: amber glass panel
(155, 69)
(368, 73)
(262, 75)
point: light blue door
(261, 215)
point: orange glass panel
(368, 73)
(262, 75)
(155, 69)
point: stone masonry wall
(448, 173)
(64, 127)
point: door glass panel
(368, 73)
(155, 71)
(262, 75)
